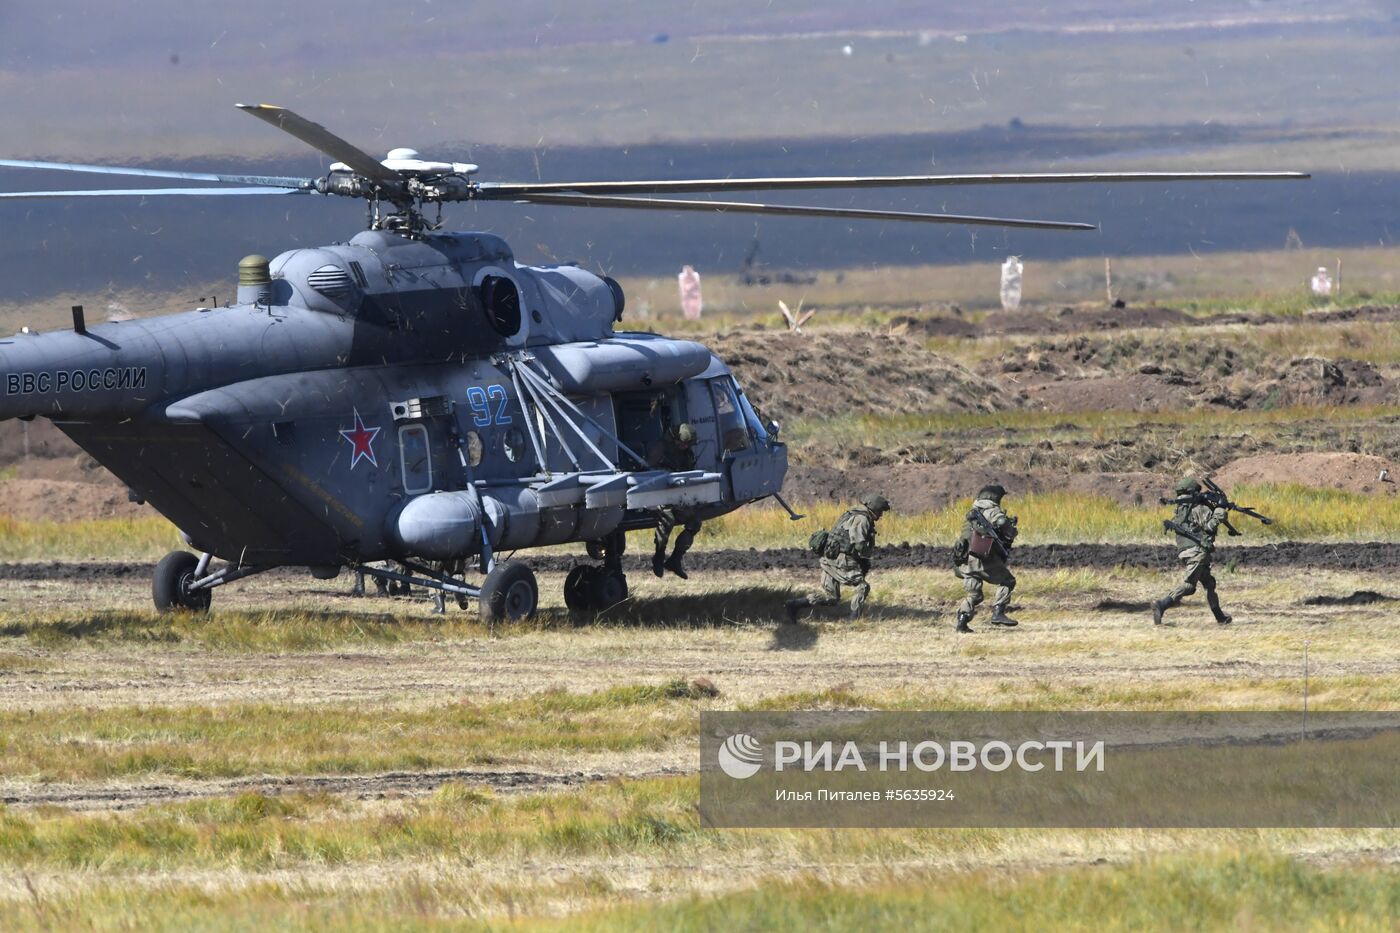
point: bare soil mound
(825, 375)
(1159, 372)
(1349, 472)
(1030, 321)
(65, 501)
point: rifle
(1215, 497)
(976, 516)
(1178, 528)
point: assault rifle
(1178, 528)
(1215, 497)
(990, 531)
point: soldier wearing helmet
(675, 451)
(980, 556)
(1195, 523)
(845, 557)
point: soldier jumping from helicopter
(675, 451)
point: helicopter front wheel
(170, 585)
(509, 592)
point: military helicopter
(414, 403)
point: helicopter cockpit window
(752, 417)
(501, 301)
(473, 449)
(733, 433)
(416, 459)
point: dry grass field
(303, 759)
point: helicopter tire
(609, 588)
(578, 588)
(509, 592)
(171, 581)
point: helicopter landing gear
(509, 592)
(183, 581)
(590, 588)
(170, 586)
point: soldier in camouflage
(1199, 522)
(675, 452)
(849, 567)
(980, 557)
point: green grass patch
(241, 739)
(95, 539)
(1300, 513)
(1222, 891)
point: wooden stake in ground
(795, 320)
(1108, 280)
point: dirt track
(362, 786)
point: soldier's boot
(1159, 609)
(658, 563)
(791, 607)
(999, 617)
(963, 620)
(1221, 616)
(675, 566)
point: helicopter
(414, 403)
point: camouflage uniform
(674, 452)
(849, 567)
(974, 570)
(1202, 521)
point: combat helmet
(876, 503)
(685, 434)
(993, 491)
(1187, 485)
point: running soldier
(980, 556)
(1195, 523)
(845, 553)
(675, 451)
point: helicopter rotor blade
(743, 207)
(143, 192)
(318, 137)
(271, 181)
(691, 185)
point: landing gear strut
(170, 587)
(183, 581)
(590, 588)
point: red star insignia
(361, 441)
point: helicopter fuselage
(408, 398)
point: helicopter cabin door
(421, 427)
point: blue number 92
(481, 400)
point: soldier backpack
(832, 544)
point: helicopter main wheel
(609, 587)
(509, 592)
(170, 586)
(578, 588)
